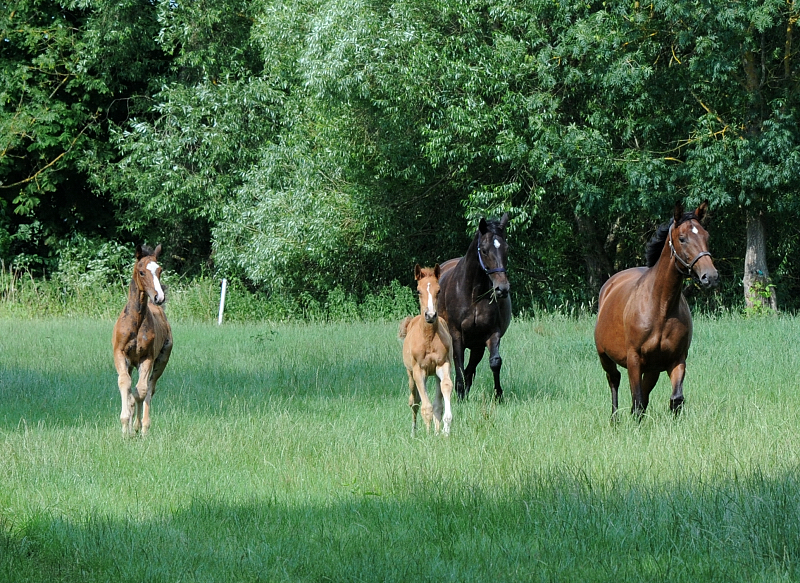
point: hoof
(676, 406)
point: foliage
(67, 69)
(307, 146)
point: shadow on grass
(555, 527)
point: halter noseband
(689, 266)
(488, 271)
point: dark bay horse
(643, 321)
(475, 301)
(143, 339)
(428, 351)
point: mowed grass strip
(283, 453)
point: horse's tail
(401, 333)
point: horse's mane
(656, 244)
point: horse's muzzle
(501, 291)
(709, 279)
(430, 318)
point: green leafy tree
(67, 69)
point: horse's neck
(666, 282)
(137, 303)
(474, 275)
(429, 331)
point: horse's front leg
(426, 407)
(649, 380)
(444, 390)
(475, 357)
(143, 395)
(613, 377)
(156, 371)
(413, 401)
(676, 376)
(124, 383)
(495, 363)
(635, 380)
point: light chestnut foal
(142, 339)
(428, 351)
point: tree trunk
(759, 293)
(595, 258)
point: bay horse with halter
(476, 303)
(643, 320)
(427, 351)
(142, 339)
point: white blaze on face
(496, 244)
(152, 267)
(694, 230)
(430, 300)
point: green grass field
(283, 453)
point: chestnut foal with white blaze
(142, 339)
(428, 351)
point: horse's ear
(157, 252)
(139, 254)
(702, 211)
(678, 212)
(483, 227)
(504, 221)
(436, 271)
(417, 272)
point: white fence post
(222, 300)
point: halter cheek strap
(689, 266)
(488, 271)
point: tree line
(303, 146)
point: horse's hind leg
(613, 377)
(475, 357)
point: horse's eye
(141, 272)
(682, 239)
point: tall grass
(282, 452)
(102, 294)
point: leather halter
(689, 266)
(483, 266)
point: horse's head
(428, 291)
(493, 253)
(147, 273)
(688, 242)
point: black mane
(656, 244)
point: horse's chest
(482, 322)
(141, 344)
(661, 348)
